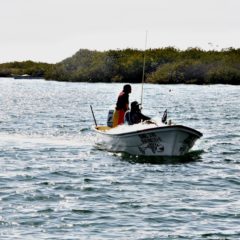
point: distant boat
(26, 76)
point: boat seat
(103, 128)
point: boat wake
(67, 141)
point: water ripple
(56, 184)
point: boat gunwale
(199, 134)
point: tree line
(162, 66)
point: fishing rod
(144, 63)
(165, 114)
(93, 115)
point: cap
(135, 104)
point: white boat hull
(175, 140)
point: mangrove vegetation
(163, 66)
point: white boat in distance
(148, 139)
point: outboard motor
(110, 118)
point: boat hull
(174, 140)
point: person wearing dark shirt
(134, 115)
(122, 105)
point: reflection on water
(192, 156)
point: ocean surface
(56, 184)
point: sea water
(56, 184)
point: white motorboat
(152, 139)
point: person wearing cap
(122, 105)
(134, 115)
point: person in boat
(134, 115)
(122, 105)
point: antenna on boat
(93, 115)
(143, 73)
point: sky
(52, 30)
